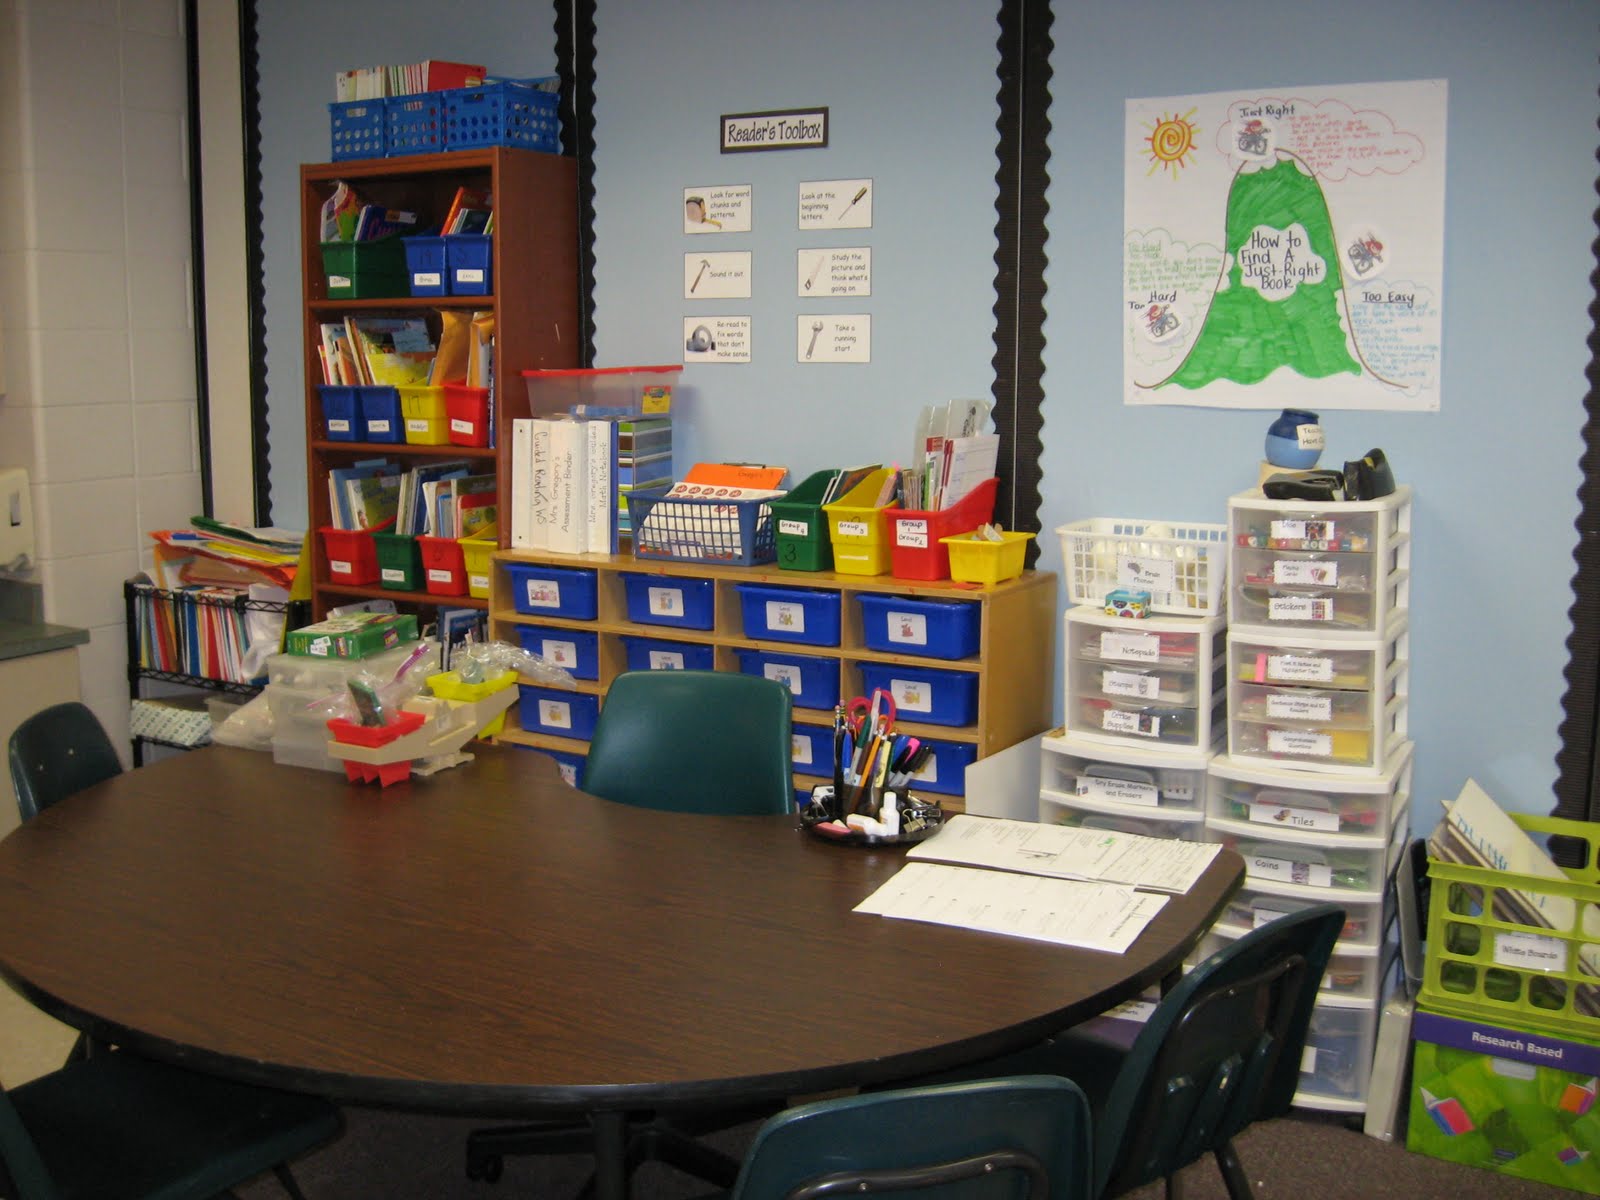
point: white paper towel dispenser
(16, 520)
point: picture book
(477, 199)
(391, 351)
(374, 499)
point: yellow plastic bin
(857, 528)
(978, 560)
(422, 409)
(475, 550)
(447, 685)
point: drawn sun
(1171, 142)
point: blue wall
(911, 89)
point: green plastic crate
(399, 562)
(366, 270)
(801, 528)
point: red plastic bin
(352, 555)
(352, 734)
(467, 411)
(915, 551)
(444, 566)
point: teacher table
(490, 941)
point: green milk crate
(366, 270)
(801, 529)
(399, 562)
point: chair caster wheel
(487, 1168)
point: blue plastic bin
(911, 625)
(669, 600)
(813, 751)
(503, 112)
(659, 654)
(557, 711)
(571, 765)
(946, 768)
(812, 682)
(469, 257)
(414, 124)
(546, 591)
(341, 414)
(926, 694)
(425, 267)
(381, 420)
(357, 129)
(785, 614)
(577, 650)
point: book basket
(688, 529)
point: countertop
(23, 630)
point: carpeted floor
(397, 1156)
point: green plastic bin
(366, 270)
(399, 562)
(801, 529)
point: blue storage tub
(813, 751)
(341, 414)
(659, 654)
(925, 694)
(557, 711)
(946, 768)
(812, 682)
(785, 614)
(503, 112)
(571, 765)
(669, 600)
(380, 414)
(546, 591)
(470, 260)
(425, 267)
(356, 129)
(578, 650)
(414, 124)
(909, 625)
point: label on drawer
(1299, 668)
(911, 695)
(544, 593)
(1116, 720)
(801, 752)
(666, 660)
(1297, 572)
(784, 673)
(563, 654)
(1313, 819)
(1121, 791)
(1299, 608)
(795, 528)
(1300, 708)
(908, 628)
(1147, 574)
(1531, 951)
(911, 534)
(1130, 647)
(1300, 531)
(1299, 741)
(1286, 870)
(1308, 1061)
(1130, 683)
(665, 602)
(786, 616)
(557, 714)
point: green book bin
(366, 270)
(800, 527)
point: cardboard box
(353, 636)
(1505, 1099)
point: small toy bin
(562, 713)
(444, 567)
(812, 682)
(357, 129)
(980, 560)
(1525, 949)
(694, 529)
(545, 591)
(425, 265)
(659, 654)
(602, 391)
(917, 537)
(789, 614)
(912, 625)
(422, 409)
(925, 694)
(1183, 567)
(448, 685)
(801, 534)
(341, 414)
(351, 734)
(475, 552)
(380, 414)
(366, 270)
(575, 650)
(504, 112)
(399, 563)
(352, 555)
(414, 124)
(812, 752)
(570, 765)
(946, 768)
(469, 257)
(669, 600)
(856, 527)
(468, 412)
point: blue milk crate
(504, 112)
(812, 682)
(557, 711)
(785, 614)
(356, 129)
(813, 751)
(692, 529)
(659, 654)
(946, 768)
(911, 625)
(341, 414)
(469, 258)
(926, 694)
(380, 414)
(414, 124)
(570, 765)
(668, 600)
(425, 266)
(578, 650)
(546, 591)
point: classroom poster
(1285, 248)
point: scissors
(866, 717)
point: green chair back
(56, 752)
(694, 741)
(1023, 1137)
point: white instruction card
(1069, 912)
(1068, 852)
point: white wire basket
(1183, 567)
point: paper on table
(1065, 852)
(1069, 912)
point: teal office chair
(119, 1127)
(56, 752)
(1020, 1138)
(708, 742)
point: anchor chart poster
(1285, 248)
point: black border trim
(255, 260)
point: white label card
(338, 425)
(1130, 683)
(340, 566)
(912, 534)
(801, 752)
(794, 528)
(908, 629)
(786, 616)
(544, 593)
(555, 713)
(457, 425)
(1299, 608)
(425, 279)
(1147, 574)
(666, 660)
(783, 673)
(1299, 668)
(1119, 791)
(1299, 572)
(665, 602)
(392, 575)
(912, 695)
(469, 274)
(563, 654)
(1308, 707)
(1138, 724)
(1313, 819)
(1130, 647)
(1308, 1061)
(436, 575)
(853, 529)
(1287, 870)
(381, 425)
(1299, 741)
(1530, 950)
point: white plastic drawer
(1184, 825)
(1254, 906)
(1122, 777)
(1337, 1061)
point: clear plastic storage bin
(1354, 972)
(1181, 566)
(1336, 1065)
(1253, 801)
(1121, 779)
(1181, 824)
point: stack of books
(404, 79)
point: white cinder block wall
(100, 401)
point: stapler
(1304, 485)
(1368, 477)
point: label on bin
(435, 575)
(340, 567)
(911, 695)
(1308, 1061)
(786, 616)
(666, 602)
(392, 575)
(783, 673)
(555, 713)
(381, 425)
(1119, 791)
(795, 528)
(457, 425)
(1130, 647)
(930, 769)
(1286, 870)
(1300, 708)
(666, 660)
(1299, 668)
(1138, 724)
(908, 628)
(338, 281)
(469, 275)
(801, 752)
(911, 534)
(563, 654)
(1299, 741)
(1530, 950)
(855, 529)
(426, 279)
(1147, 574)
(338, 425)
(1130, 683)
(1317, 820)
(543, 593)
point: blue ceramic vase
(1291, 444)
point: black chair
(119, 1127)
(56, 752)
(1019, 1138)
(709, 742)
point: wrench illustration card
(720, 276)
(833, 337)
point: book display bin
(811, 630)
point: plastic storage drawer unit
(669, 600)
(785, 614)
(1252, 906)
(913, 625)
(926, 694)
(812, 682)
(563, 713)
(1257, 801)
(1354, 972)
(1336, 1066)
(1122, 778)
(1179, 824)
(576, 650)
(547, 591)
(660, 654)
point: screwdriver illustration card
(836, 204)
